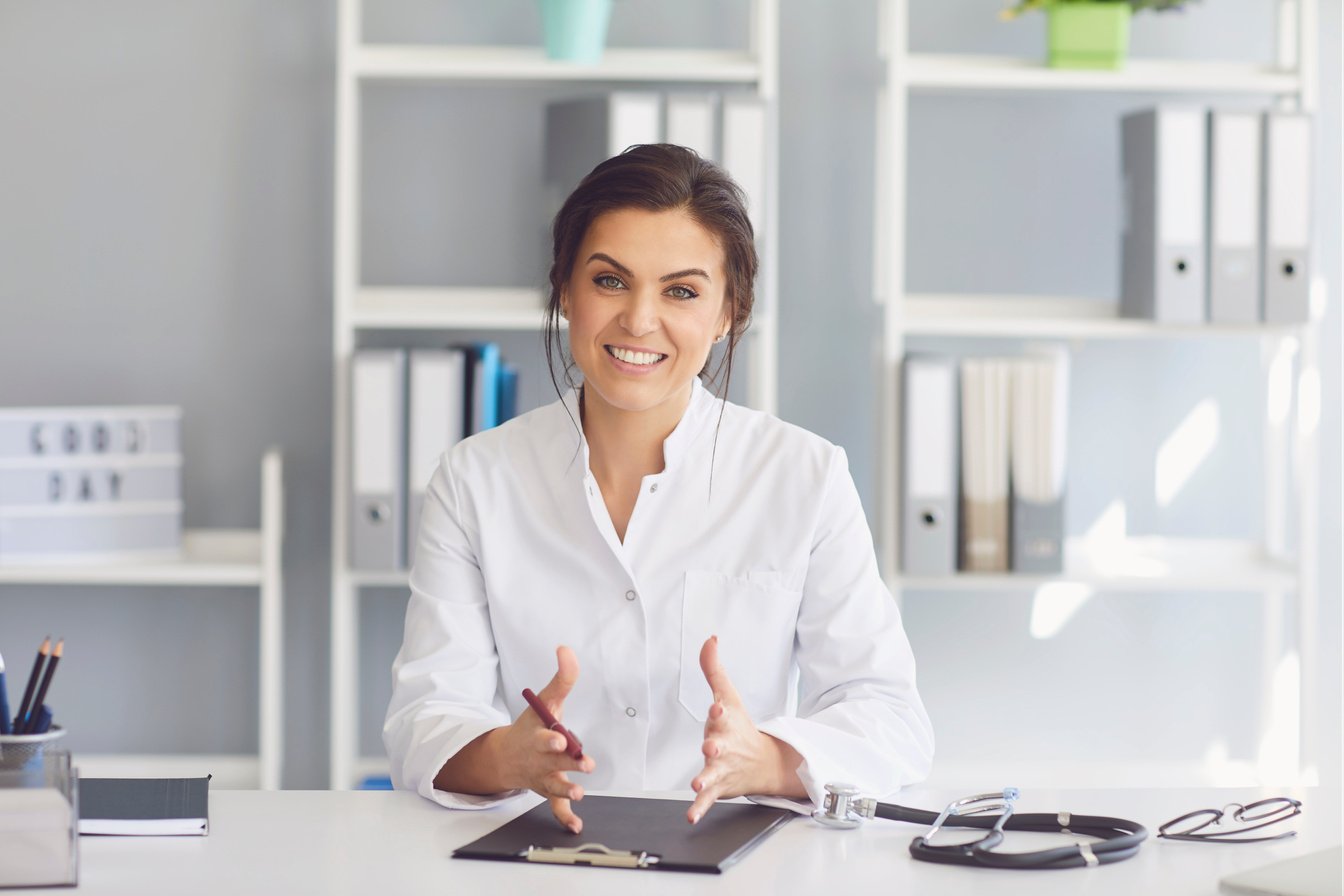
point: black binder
(627, 832)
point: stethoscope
(1119, 839)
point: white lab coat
(517, 554)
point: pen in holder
(24, 751)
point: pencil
(5, 727)
(35, 711)
(21, 720)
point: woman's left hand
(739, 759)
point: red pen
(575, 748)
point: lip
(633, 369)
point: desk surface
(384, 843)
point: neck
(625, 443)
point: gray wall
(166, 237)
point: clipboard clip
(590, 854)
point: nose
(640, 315)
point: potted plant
(1089, 33)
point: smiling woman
(691, 552)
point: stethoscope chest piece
(843, 807)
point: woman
(689, 553)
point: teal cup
(575, 30)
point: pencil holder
(19, 751)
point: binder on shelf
(583, 132)
(1286, 231)
(929, 466)
(1234, 216)
(690, 122)
(436, 421)
(485, 387)
(508, 392)
(1162, 272)
(742, 127)
(985, 393)
(1039, 450)
(378, 458)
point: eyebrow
(675, 275)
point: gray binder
(378, 459)
(436, 422)
(1038, 536)
(1287, 217)
(1162, 275)
(929, 466)
(1040, 420)
(1234, 216)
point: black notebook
(144, 806)
(624, 832)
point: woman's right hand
(537, 755)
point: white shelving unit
(211, 558)
(1135, 564)
(362, 308)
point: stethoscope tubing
(1117, 839)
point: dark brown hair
(658, 177)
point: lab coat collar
(699, 410)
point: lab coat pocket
(756, 624)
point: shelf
(1137, 565)
(493, 63)
(999, 74)
(1012, 317)
(426, 308)
(209, 557)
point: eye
(682, 292)
(608, 281)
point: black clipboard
(632, 832)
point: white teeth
(630, 357)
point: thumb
(566, 675)
(715, 674)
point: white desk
(390, 844)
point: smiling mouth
(639, 359)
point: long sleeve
(860, 719)
(445, 690)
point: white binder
(929, 466)
(690, 122)
(1163, 157)
(1287, 217)
(581, 133)
(985, 396)
(378, 458)
(1234, 216)
(436, 423)
(742, 127)
(1039, 451)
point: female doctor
(687, 553)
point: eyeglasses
(1251, 817)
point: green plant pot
(1088, 35)
(575, 30)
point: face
(645, 303)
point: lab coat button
(653, 488)
(630, 595)
(630, 711)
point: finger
(556, 750)
(558, 786)
(703, 801)
(715, 674)
(566, 674)
(565, 815)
